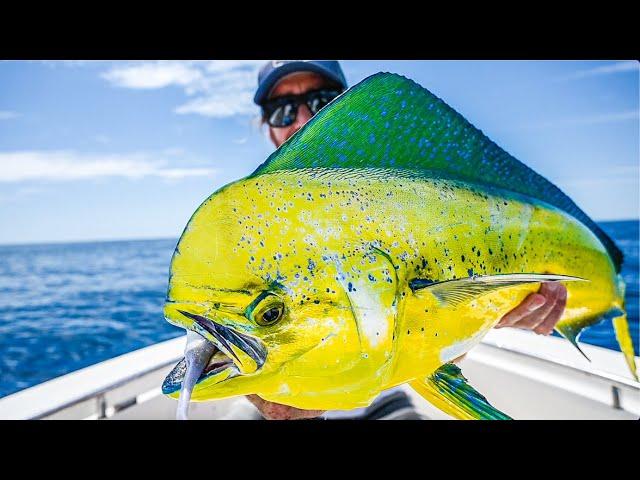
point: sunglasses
(282, 111)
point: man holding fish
(290, 93)
(373, 248)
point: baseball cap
(274, 70)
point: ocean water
(67, 306)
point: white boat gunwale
(100, 392)
(154, 362)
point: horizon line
(141, 239)
(78, 241)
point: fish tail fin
(621, 327)
(623, 335)
(448, 390)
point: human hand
(277, 411)
(539, 311)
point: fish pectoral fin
(448, 390)
(458, 291)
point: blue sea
(66, 306)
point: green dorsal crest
(388, 121)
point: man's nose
(303, 116)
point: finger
(459, 359)
(277, 411)
(550, 289)
(533, 302)
(531, 321)
(546, 327)
(256, 401)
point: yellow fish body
(321, 286)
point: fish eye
(270, 317)
(266, 310)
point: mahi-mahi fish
(378, 244)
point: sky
(105, 150)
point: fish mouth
(234, 354)
(219, 365)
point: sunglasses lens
(283, 115)
(282, 112)
(319, 100)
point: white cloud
(220, 105)
(618, 67)
(220, 88)
(71, 63)
(613, 176)
(7, 115)
(611, 193)
(153, 75)
(596, 119)
(69, 166)
(607, 118)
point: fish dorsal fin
(455, 292)
(388, 121)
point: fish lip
(173, 381)
(224, 337)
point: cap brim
(278, 74)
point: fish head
(275, 311)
